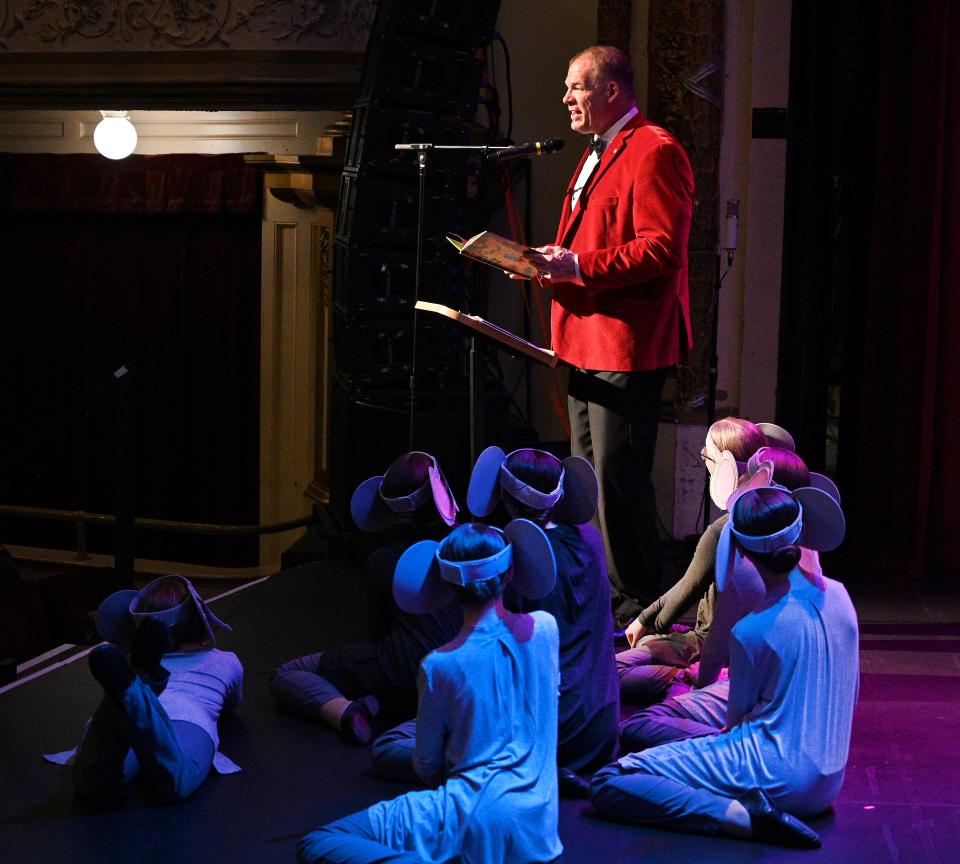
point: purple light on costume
(869, 807)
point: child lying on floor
(157, 720)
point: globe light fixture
(115, 136)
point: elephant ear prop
(762, 477)
(422, 578)
(824, 525)
(417, 586)
(534, 564)
(369, 511)
(483, 491)
(734, 574)
(117, 616)
(723, 480)
(777, 436)
(825, 484)
(581, 492)
(819, 526)
(443, 498)
(373, 511)
(113, 620)
(573, 502)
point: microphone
(520, 151)
(732, 227)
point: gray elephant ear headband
(423, 578)
(725, 474)
(727, 471)
(118, 615)
(373, 511)
(777, 436)
(572, 502)
(817, 481)
(820, 525)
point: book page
(497, 251)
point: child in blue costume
(346, 686)
(487, 717)
(561, 497)
(705, 705)
(793, 686)
(158, 717)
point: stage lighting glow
(115, 136)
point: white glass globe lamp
(115, 136)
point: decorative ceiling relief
(155, 25)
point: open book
(497, 251)
(507, 340)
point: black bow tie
(596, 145)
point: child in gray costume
(157, 720)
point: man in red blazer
(621, 307)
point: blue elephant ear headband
(423, 578)
(572, 502)
(118, 615)
(819, 525)
(373, 511)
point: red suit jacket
(630, 227)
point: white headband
(479, 570)
(526, 494)
(772, 542)
(407, 503)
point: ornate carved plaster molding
(56, 26)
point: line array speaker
(420, 82)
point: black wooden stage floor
(900, 803)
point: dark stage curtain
(153, 261)
(907, 478)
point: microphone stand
(422, 150)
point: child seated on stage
(691, 711)
(793, 686)
(487, 717)
(651, 668)
(346, 686)
(158, 716)
(560, 497)
(410, 501)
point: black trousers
(613, 423)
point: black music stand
(503, 340)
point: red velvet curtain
(908, 516)
(209, 185)
(153, 261)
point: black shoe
(572, 785)
(356, 723)
(774, 826)
(151, 641)
(110, 667)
